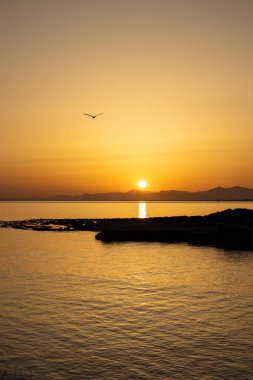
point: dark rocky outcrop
(230, 229)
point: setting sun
(142, 184)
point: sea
(72, 307)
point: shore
(230, 229)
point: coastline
(229, 229)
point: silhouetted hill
(215, 194)
(235, 193)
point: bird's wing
(87, 114)
(99, 114)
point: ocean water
(30, 210)
(72, 307)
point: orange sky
(173, 78)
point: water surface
(75, 308)
(30, 210)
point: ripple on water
(151, 312)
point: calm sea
(30, 210)
(73, 307)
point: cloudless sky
(173, 78)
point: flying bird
(93, 116)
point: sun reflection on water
(142, 210)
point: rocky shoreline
(229, 229)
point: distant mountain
(235, 193)
(215, 194)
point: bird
(93, 116)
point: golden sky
(173, 78)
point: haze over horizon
(172, 78)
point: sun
(142, 184)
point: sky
(173, 78)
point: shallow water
(75, 308)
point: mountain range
(235, 193)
